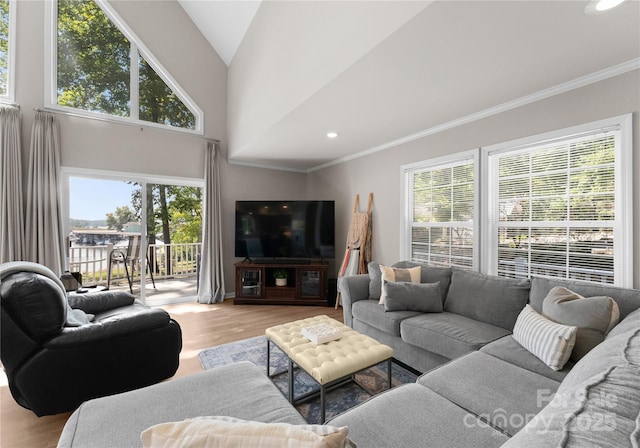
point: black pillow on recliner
(35, 303)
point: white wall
(380, 173)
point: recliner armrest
(97, 302)
(110, 327)
(352, 289)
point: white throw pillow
(391, 275)
(551, 342)
(229, 432)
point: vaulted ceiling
(383, 72)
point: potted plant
(281, 277)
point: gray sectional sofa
(480, 388)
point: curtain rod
(39, 109)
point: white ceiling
(449, 63)
(222, 22)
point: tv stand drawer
(282, 292)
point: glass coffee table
(329, 364)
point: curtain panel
(211, 276)
(11, 199)
(43, 217)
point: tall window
(556, 208)
(553, 205)
(7, 24)
(441, 211)
(101, 67)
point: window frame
(623, 208)
(137, 48)
(66, 173)
(407, 171)
(11, 56)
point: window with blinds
(441, 209)
(554, 209)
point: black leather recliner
(58, 352)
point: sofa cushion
(602, 411)
(404, 296)
(503, 394)
(594, 316)
(414, 416)
(628, 300)
(598, 403)
(507, 349)
(223, 431)
(491, 299)
(621, 350)
(391, 275)
(629, 323)
(550, 341)
(373, 314)
(447, 334)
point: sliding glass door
(131, 233)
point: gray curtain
(44, 224)
(11, 199)
(211, 276)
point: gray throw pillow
(407, 296)
(375, 280)
(594, 316)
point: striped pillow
(391, 275)
(546, 339)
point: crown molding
(592, 78)
(568, 86)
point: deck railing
(167, 261)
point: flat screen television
(285, 229)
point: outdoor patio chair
(131, 258)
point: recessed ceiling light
(597, 6)
(332, 134)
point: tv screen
(285, 229)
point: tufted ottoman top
(333, 360)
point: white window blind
(554, 208)
(441, 209)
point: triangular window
(101, 67)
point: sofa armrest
(98, 302)
(352, 289)
(111, 327)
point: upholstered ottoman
(331, 363)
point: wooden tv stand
(306, 284)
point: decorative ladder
(358, 251)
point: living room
(276, 96)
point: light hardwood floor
(202, 326)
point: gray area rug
(372, 380)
